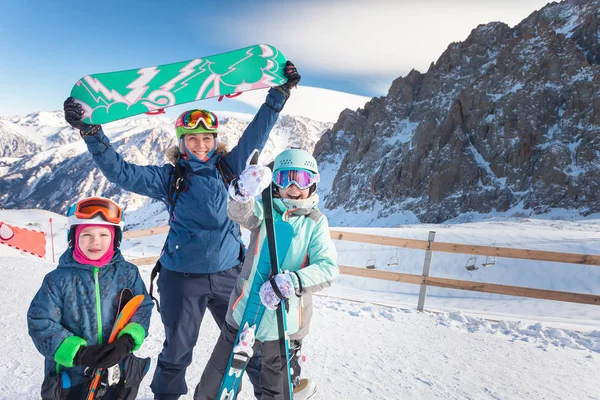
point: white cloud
(377, 38)
(315, 103)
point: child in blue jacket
(71, 317)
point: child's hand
(252, 181)
(269, 296)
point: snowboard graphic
(110, 96)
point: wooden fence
(430, 246)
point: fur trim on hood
(173, 152)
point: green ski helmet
(196, 121)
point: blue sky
(349, 46)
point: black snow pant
(271, 376)
(80, 392)
(133, 370)
(52, 391)
(183, 300)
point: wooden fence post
(426, 268)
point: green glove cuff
(137, 333)
(66, 351)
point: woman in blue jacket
(204, 252)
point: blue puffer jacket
(66, 306)
(202, 238)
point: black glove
(290, 72)
(105, 355)
(131, 377)
(73, 114)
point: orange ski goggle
(89, 208)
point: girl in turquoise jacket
(309, 266)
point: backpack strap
(177, 185)
(225, 170)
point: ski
(253, 313)
(128, 305)
(284, 346)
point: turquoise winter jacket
(312, 255)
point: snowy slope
(359, 348)
(358, 351)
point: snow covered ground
(374, 345)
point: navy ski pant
(183, 300)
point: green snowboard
(111, 96)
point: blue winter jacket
(66, 305)
(202, 238)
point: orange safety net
(23, 239)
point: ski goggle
(94, 206)
(300, 177)
(193, 118)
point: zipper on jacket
(98, 306)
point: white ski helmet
(96, 211)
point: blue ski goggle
(300, 177)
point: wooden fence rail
(474, 286)
(504, 252)
(548, 256)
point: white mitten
(252, 181)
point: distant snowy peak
(44, 129)
(40, 118)
(55, 169)
(13, 144)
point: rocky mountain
(51, 167)
(509, 119)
